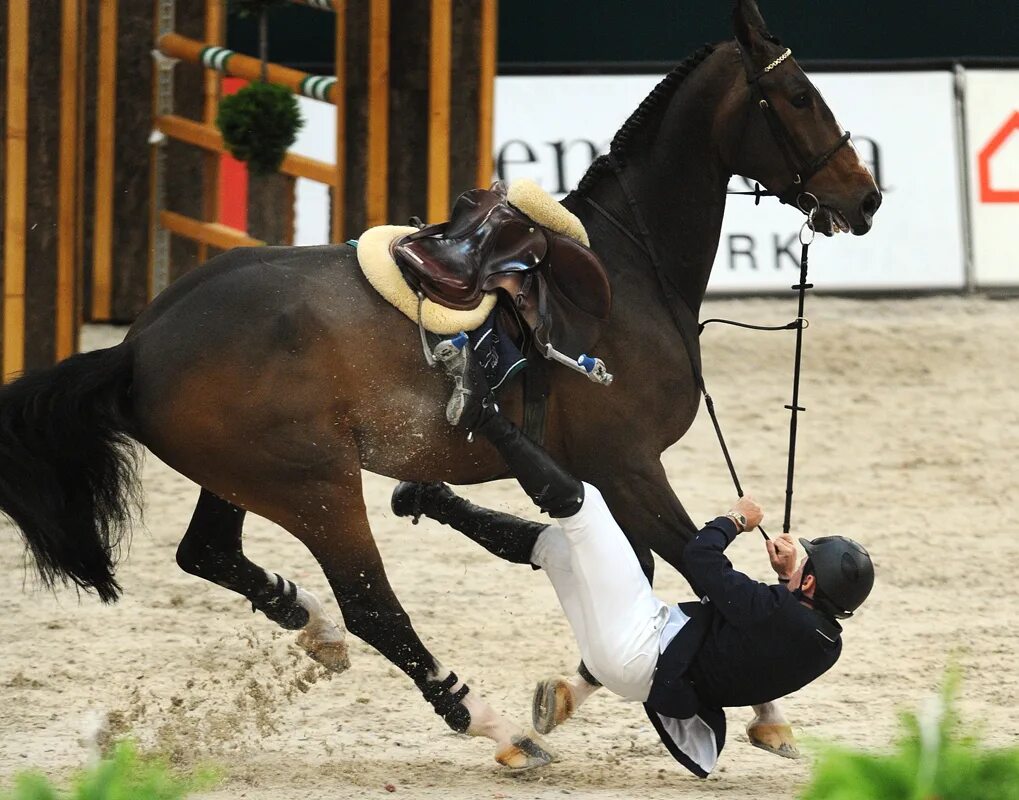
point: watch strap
(739, 519)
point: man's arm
(736, 596)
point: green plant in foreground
(933, 760)
(125, 775)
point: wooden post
(68, 200)
(15, 189)
(377, 144)
(83, 241)
(472, 90)
(131, 240)
(356, 65)
(117, 279)
(214, 34)
(106, 125)
(408, 157)
(440, 69)
(337, 231)
(486, 90)
(4, 196)
(42, 185)
(185, 166)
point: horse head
(777, 129)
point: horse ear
(748, 24)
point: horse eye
(802, 100)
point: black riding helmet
(843, 571)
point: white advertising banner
(992, 140)
(550, 128)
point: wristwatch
(739, 519)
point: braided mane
(648, 113)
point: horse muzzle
(868, 208)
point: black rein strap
(795, 407)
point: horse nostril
(871, 203)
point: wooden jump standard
(217, 60)
(401, 79)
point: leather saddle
(551, 287)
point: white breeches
(617, 621)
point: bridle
(801, 172)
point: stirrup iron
(448, 350)
(452, 354)
(593, 368)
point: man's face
(796, 580)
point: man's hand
(749, 509)
(782, 552)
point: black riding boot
(504, 535)
(551, 487)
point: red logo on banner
(987, 193)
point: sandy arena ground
(910, 444)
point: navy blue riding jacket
(746, 643)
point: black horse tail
(68, 467)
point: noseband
(801, 172)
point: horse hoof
(552, 704)
(775, 738)
(525, 751)
(332, 655)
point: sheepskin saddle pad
(495, 238)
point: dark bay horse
(273, 376)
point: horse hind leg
(332, 523)
(212, 549)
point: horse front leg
(332, 523)
(771, 731)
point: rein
(799, 324)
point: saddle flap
(577, 274)
(568, 302)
